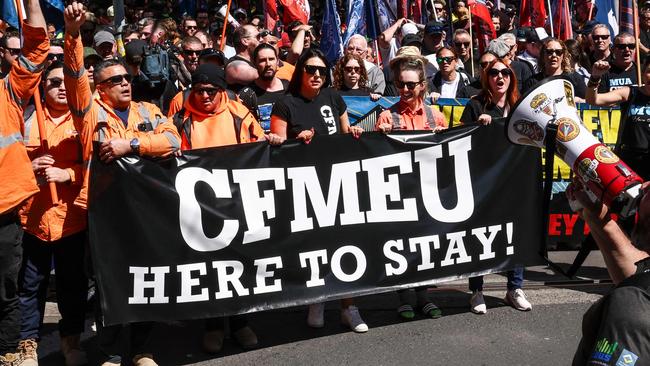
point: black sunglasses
(445, 59)
(622, 46)
(311, 70)
(409, 84)
(596, 36)
(355, 69)
(552, 51)
(211, 92)
(117, 79)
(458, 44)
(55, 82)
(191, 52)
(264, 33)
(190, 27)
(504, 72)
(13, 51)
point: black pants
(71, 283)
(11, 251)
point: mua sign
(253, 227)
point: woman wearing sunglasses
(312, 108)
(351, 78)
(496, 99)
(410, 113)
(555, 60)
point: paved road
(548, 335)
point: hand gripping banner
(254, 227)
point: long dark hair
(512, 95)
(296, 79)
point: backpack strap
(184, 126)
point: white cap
(409, 28)
(541, 33)
(110, 12)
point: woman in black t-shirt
(351, 77)
(312, 108)
(633, 144)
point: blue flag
(607, 15)
(9, 13)
(53, 12)
(356, 20)
(372, 20)
(330, 42)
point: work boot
(11, 359)
(27, 348)
(213, 341)
(144, 359)
(72, 352)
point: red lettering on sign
(570, 222)
(554, 222)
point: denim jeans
(515, 280)
(71, 283)
(11, 250)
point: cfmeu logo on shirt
(328, 117)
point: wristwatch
(135, 146)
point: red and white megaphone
(604, 174)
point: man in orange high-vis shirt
(54, 232)
(18, 182)
(123, 127)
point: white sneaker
(477, 303)
(316, 315)
(517, 299)
(352, 319)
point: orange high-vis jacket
(39, 216)
(231, 123)
(18, 181)
(285, 71)
(96, 121)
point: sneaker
(213, 341)
(246, 338)
(517, 299)
(11, 359)
(316, 315)
(352, 319)
(477, 303)
(144, 359)
(27, 349)
(72, 352)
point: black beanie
(209, 74)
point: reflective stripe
(172, 140)
(83, 112)
(30, 66)
(102, 124)
(11, 92)
(28, 126)
(144, 113)
(5, 141)
(73, 74)
(158, 120)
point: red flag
(295, 10)
(532, 13)
(402, 9)
(562, 28)
(416, 11)
(271, 13)
(482, 24)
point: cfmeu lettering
(382, 175)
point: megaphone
(222, 11)
(603, 173)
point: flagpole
(635, 11)
(550, 17)
(222, 44)
(40, 117)
(471, 42)
(591, 9)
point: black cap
(434, 27)
(412, 40)
(587, 28)
(134, 49)
(510, 9)
(209, 74)
(211, 52)
(522, 34)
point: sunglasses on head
(465, 44)
(211, 92)
(622, 46)
(117, 79)
(447, 59)
(598, 36)
(311, 69)
(504, 72)
(55, 82)
(355, 69)
(557, 52)
(410, 85)
(191, 52)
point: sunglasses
(409, 84)
(13, 51)
(622, 46)
(311, 69)
(464, 44)
(355, 69)
(117, 79)
(484, 64)
(597, 36)
(211, 92)
(439, 9)
(190, 27)
(55, 82)
(191, 52)
(448, 59)
(503, 72)
(557, 52)
(264, 33)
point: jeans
(11, 251)
(515, 280)
(71, 283)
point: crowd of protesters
(159, 85)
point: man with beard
(267, 87)
(10, 49)
(615, 329)
(623, 71)
(191, 48)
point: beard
(267, 76)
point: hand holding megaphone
(222, 11)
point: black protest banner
(253, 227)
